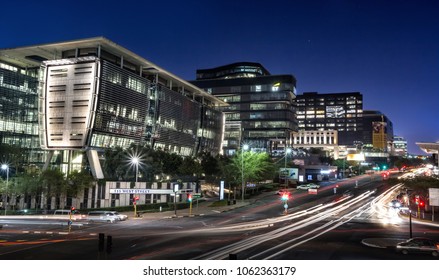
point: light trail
(328, 211)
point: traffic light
(135, 198)
(417, 200)
(285, 196)
(189, 197)
(421, 203)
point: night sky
(387, 50)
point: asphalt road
(324, 226)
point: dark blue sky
(387, 50)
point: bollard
(109, 244)
(101, 242)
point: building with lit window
(377, 131)
(261, 109)
(94, 94)
(400, 146)
(332, 111)
(19, 111)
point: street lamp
(244, 148)
(410, 212)
(287, 151)
(135, 161)
(6, 167)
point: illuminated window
(275, 87)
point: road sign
(196, 195)
(312, 191)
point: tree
(28, 185)
(113, 165)
(250, 167)
(77, 182)
(210, 164)
(190, 167)
(54, 184)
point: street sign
(434, 196)
(196, 195)
(312, 191)
(140, 191)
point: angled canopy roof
(32, 56)
(430, 148)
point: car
(120, 217)
(308, 186)
(68, 214)
(418, 245)
(102, 216)
(395, 204)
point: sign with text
(140, 191)
(289, 173)
(312, 191)
(434, 196)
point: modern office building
(327, 140)
(261, 110)
(400, 146)
(332, 111)
(19, 111)
(92, 94)
(377, 131)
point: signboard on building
(355, 157)
(141, 191)
(434, 196)
(289, 173)
(379, 135)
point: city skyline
(389, 52)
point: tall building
(95, 94)
(19, 110)
(332, 111)
(377, 131)
(261, 109)
(400, 146)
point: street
(354, 223)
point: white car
(308, 186)
(119, 216)
(102, 216)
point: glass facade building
(332, 111)
(92, 94)
(377, 131)
(261, 110)
(19, 111)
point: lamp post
(136, 161)
(410, 212)
(244, 148)
(287, 151)
(6, 167)
(176, 187)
